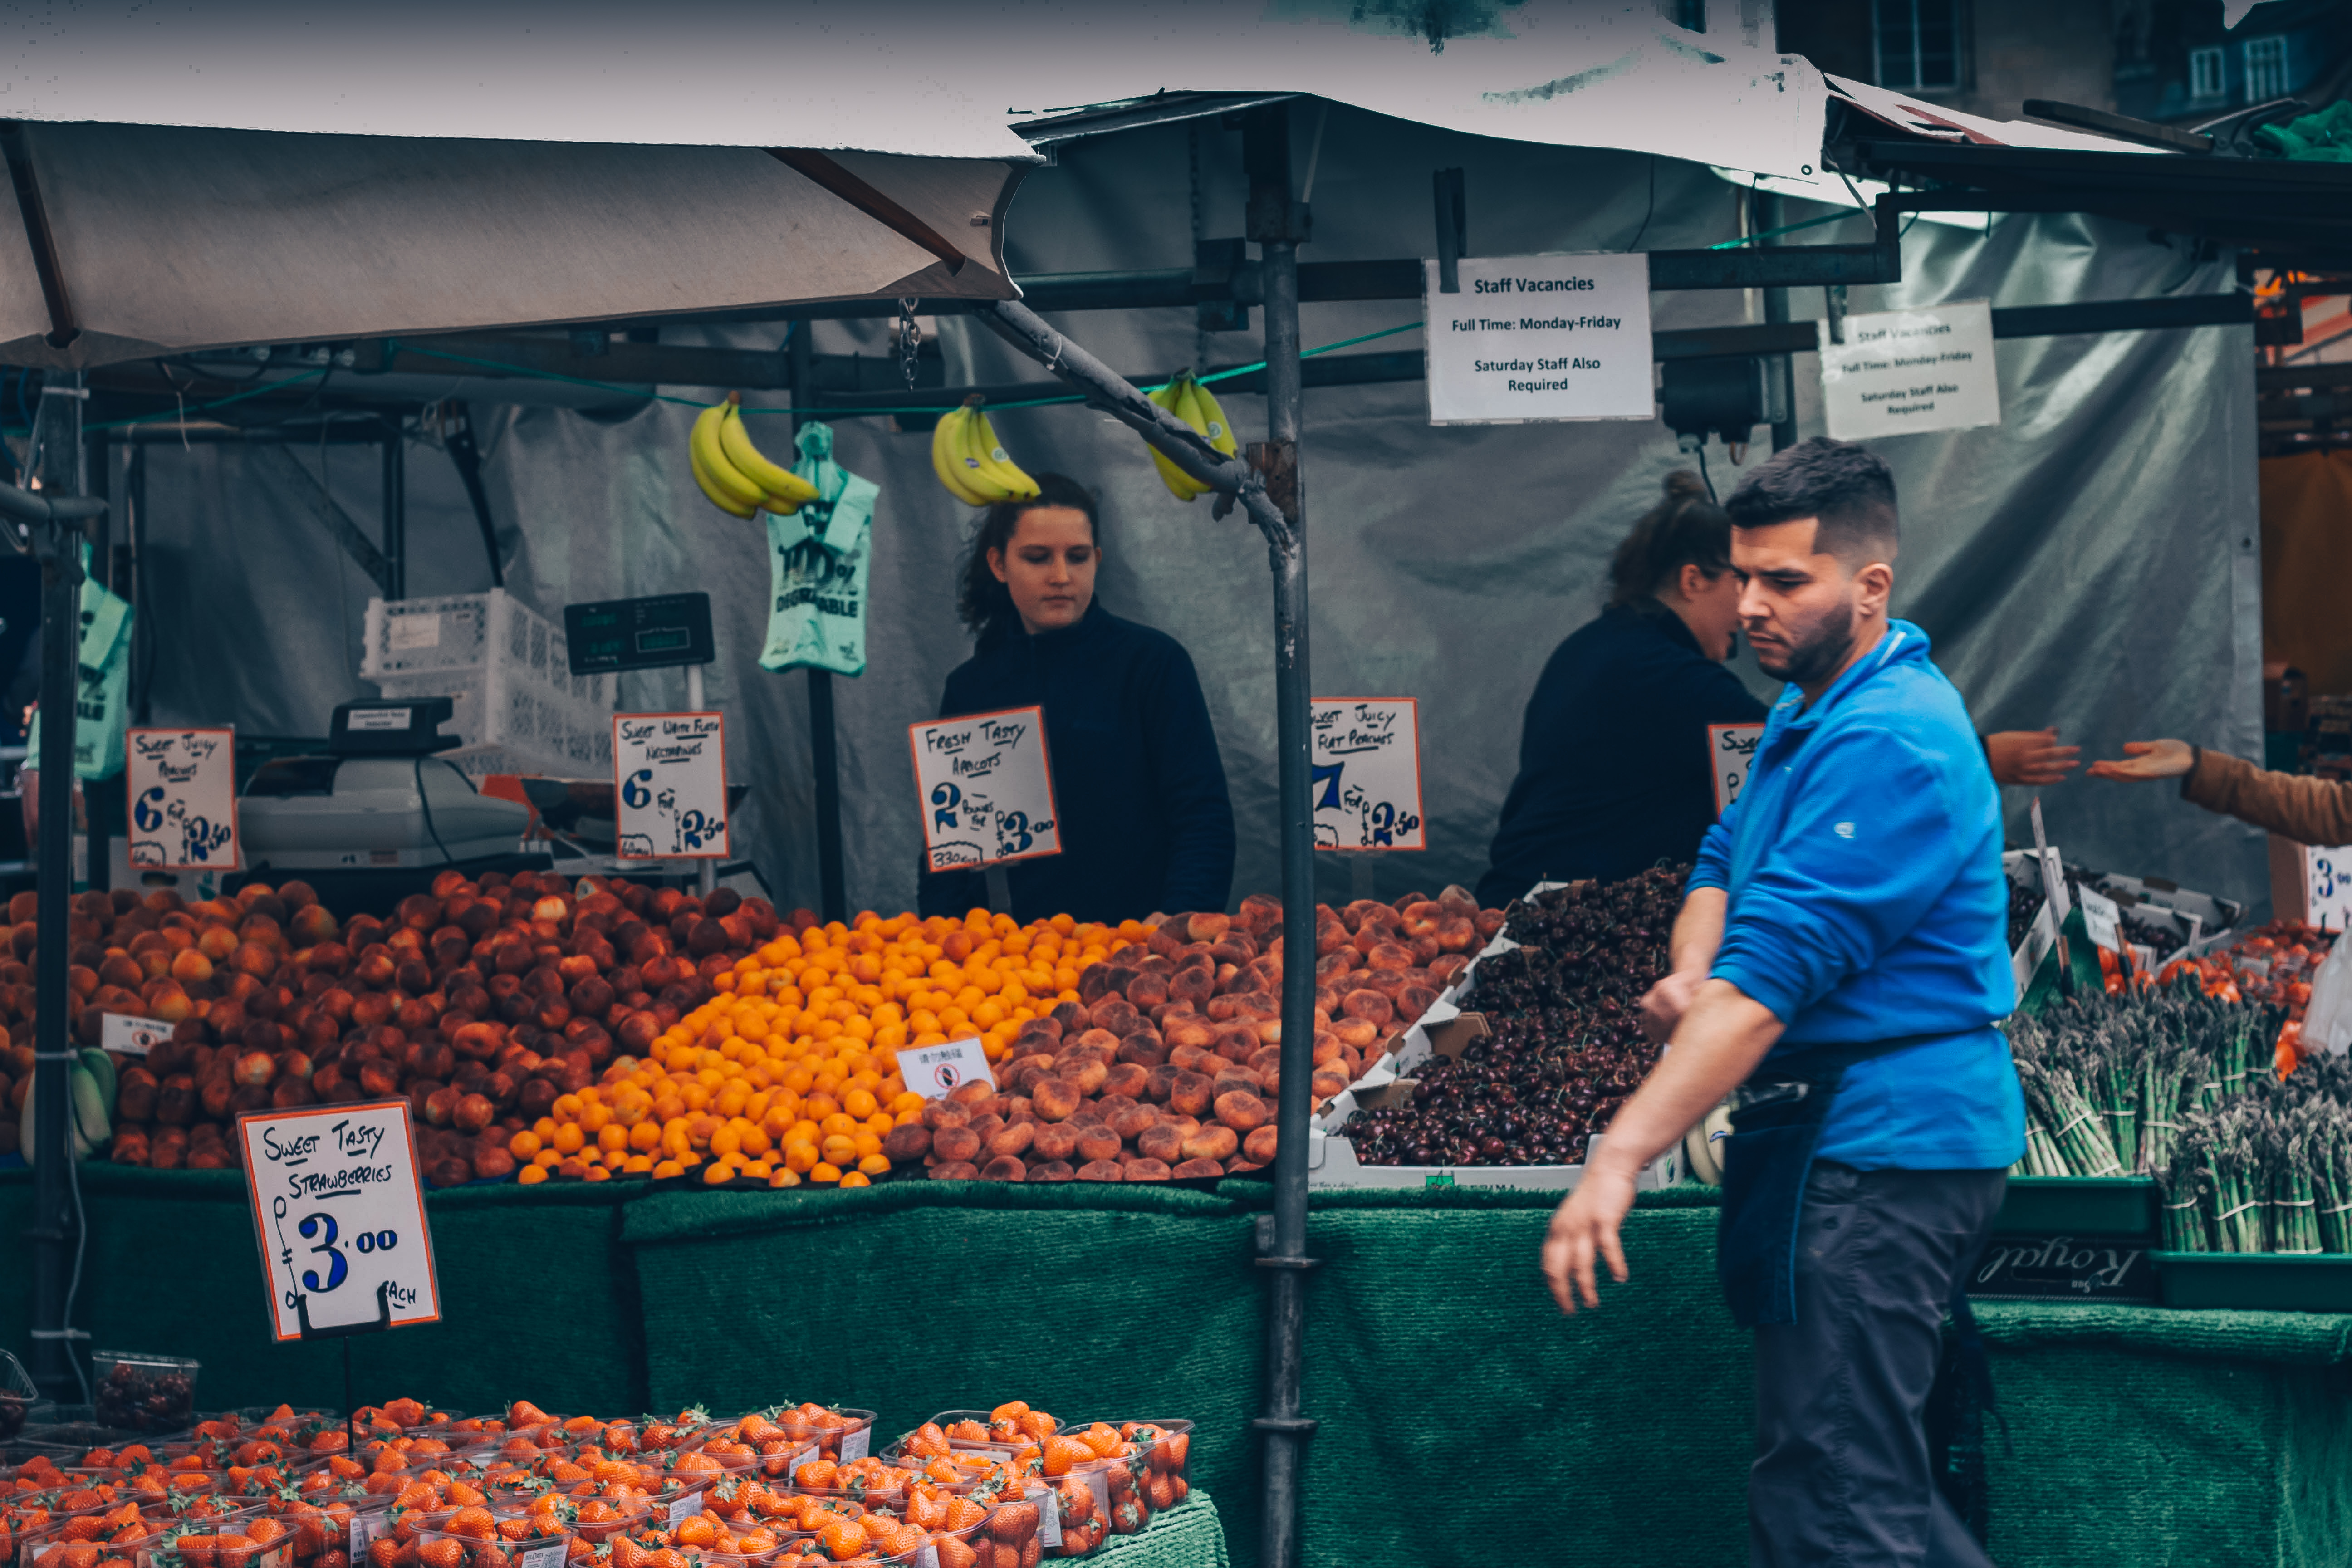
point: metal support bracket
(1453, 227)
(304, 485)
(1106, 389)
(1303, 1425)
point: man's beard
(1817, 653)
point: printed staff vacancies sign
(1367, 774)
(338, 1212)
(670, 777)
(1899, 372)
(1731, 751)
(1541, 337)
(987, 789)
(182, 787)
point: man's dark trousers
(1841, 1477)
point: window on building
(2265, 63)
(2208, 81)
(1917, 42)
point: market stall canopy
(208, 176)
(141, 240)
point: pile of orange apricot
(790, 1074)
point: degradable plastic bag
(2327, 1019)
(819, 558)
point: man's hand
(1666, 1003)
(2148, 759)
(1584, 1227)
(2031, 757)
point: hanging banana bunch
(1187, 399)
(970, 462)
(733, 473)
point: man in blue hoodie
(1839, 962)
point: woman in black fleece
(1146, 825)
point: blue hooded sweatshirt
(1866, 902)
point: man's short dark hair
(1844, 484)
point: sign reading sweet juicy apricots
(791, 1073)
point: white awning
(171, 240)
(276, 173)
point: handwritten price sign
(2327, 886)
(986, 788)
(340, 1215)
(182, 788)
(1731, 751)
(1367, 774)
(669, 779)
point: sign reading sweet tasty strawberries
(338, 1212)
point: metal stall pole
(395, 514)
(99, 796)
(1280, 225)
(825, 757)
(48, 523)
(1765, 216)
(143, 658)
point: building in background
(2181, 61)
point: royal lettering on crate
(2064, 1268)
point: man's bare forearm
(1720, 1039)
(1698, 931)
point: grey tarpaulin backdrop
(2090, 562)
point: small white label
(934, 1070)
(928, 1557)
(545, 1556)
(2103, 920)
(132, 1037)
(853, 1446)
(413, 632)
(684, 1508)
(1900, 372)
(1049, 1518)
(376, 719)
(364, 1530)
(808, 1456)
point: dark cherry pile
(2025, 901)
(1567, 1048)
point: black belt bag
(1776, 1124)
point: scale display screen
(657, 632)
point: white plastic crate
(508, 674)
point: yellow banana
(718, 498)
(704, 445)
(947, 457)
(998, 477)
(1181, 485)
(1214, 425)
(785, 489)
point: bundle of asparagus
(2110, 1079)
(2169, 1083)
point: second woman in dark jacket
(1614, 773)
(1144, 820)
